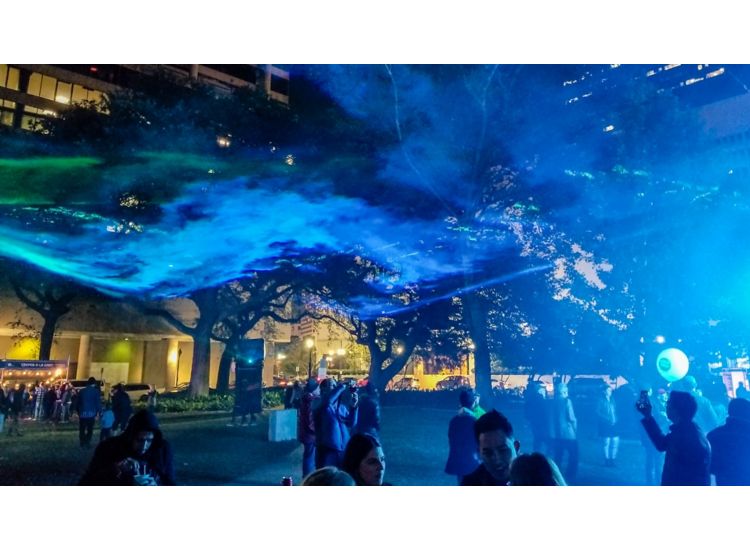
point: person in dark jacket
(121, 407)
(688, 452)
(368, 417)
(462, 445)
(15, 408)
(537, 412)
(334, 418)
(306, 425)
(497, 449)
(139, 456)
(730, 446)
(89, 403)
(565, 431)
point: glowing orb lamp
(672, 364)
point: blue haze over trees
(428, 207)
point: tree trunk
(222, 382)
(47, 336)
(201, 363)
(478, 331)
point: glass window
(3, 75)
(35, 84)
(28, 109)
(48, 87)
(8, 104)
(13, 78)
(79, 94)
(64, 91)
(6, 118)
(29, 122)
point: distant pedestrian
(537, 412)
(151, 398)
(368, 418)
(565, 431)
(89, 404)
(15, 409)
(462, 444)
(121, 407)
(606, 413)
(306, 425)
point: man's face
(142, 442)
(497, 451)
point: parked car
(407, 383)
(586, 389)
(453, 382)
(138, 392)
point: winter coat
(333, 420)
(688, 452)
(730, 452)
(89, 401)
(462, 444)
(156, 461)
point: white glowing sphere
(672, 364)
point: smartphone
(642, 400)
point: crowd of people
(687, 440)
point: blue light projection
(625, 201)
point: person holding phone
(687, 451)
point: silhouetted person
(368, 417)
(255, 394)
(241, 403)
(89, 403)
(688, 452)
(306, 425)
(535, 469)
(497, 449)
(730, 446)
(565, 431)
(606, 413)
(537, 412)
(138, 456)
(121, 407)
(462, 444)
(705, 417)
(15, 408)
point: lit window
(670, 67)
(651, 73)
(609, 128)
(35, 84)
(64, 91)
(691, 81)
(717, 72)
(48, 86)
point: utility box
(282, 425)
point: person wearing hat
(306, 424)
(730, 446)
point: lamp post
(309, 343)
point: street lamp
(309, 343)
